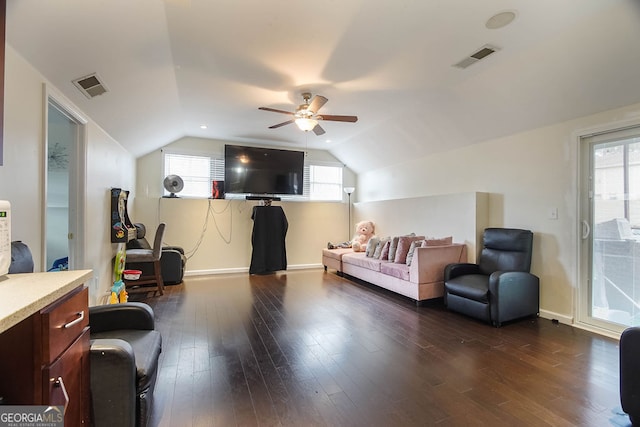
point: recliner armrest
(130, 315)
(173, 248)
(113, 383)
(506, 281)
(460, 269)
(513, 294)
(173, 256)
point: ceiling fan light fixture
(306, 124)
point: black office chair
(499, 288)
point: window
(197, 172)
(325, 182)
(321, 182)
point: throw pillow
(384, 254)
(415, 244)
(392, 248)
(378, 252)
(371, 246)
(443, 241)
(404, 242)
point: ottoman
(332, 258)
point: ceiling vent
(481, 53)
(90, 85)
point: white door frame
(584, 232)
(77, 178)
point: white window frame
(216, 172)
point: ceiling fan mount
(306, 116)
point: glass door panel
(615, 224)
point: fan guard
(173, 184)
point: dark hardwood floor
(309, 348)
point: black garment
(268, 239)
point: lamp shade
(349, 190)
(306, 124)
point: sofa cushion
(394, 245)
(371, 246)
(404, 243)
(361, 260)
(401, 271)
(415, 244)
(384, 254)
(378, 251)
(392, 248)
(336, 253)
(471, 286)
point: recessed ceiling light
(328, 140)
(501, 20)
(203, 126)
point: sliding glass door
(610, 247)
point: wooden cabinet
(45, 358)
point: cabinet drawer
(66, 382)
(63, 322)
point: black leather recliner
(125, 348)
(499, 288)
(630, 373)
(172, 260)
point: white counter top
(21, 295)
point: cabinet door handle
(80, 318)
(60, 383)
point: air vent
(90, 85)
(481, 53)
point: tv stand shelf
(272, 198)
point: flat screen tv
(262, 171)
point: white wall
(526, 175)
(226, 242)
(21, 176)
(463, 216)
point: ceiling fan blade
(318, 130)
(288, 122)
(275, 110)
(316, 103)
(333, 118)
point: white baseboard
(216, 271)
(562, 318)
(245, 270)
(304, 266)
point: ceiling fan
(306, 116)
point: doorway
(610, 249)
(64, 188)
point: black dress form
(268, 239)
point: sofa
(418, 275)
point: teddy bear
(365, 230)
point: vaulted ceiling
(171, 66)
